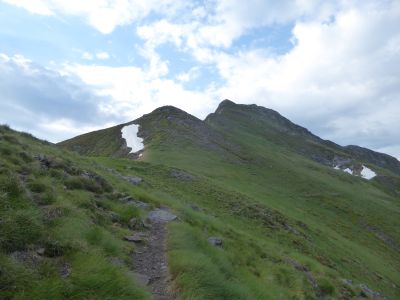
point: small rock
(40, 251)
(141, 278)
(215, 241)
(136, 238)
(135, 223)
(115, 217)
(182, 175)
(133, 180)
(160, 216)
(116, 261)
(132, 201)
(369, 293)
(65, 270)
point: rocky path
(149, 259)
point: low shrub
(19, 229)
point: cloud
(34, 6)
(103, 15)
(45, 102)
(338, 76)
(102, 55)
(134, 91)
(341, 78)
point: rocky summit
(242, 205)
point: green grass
(270, 205)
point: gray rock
(369, 293)
(133, 180)
(65, 270)
(160, 216)
(115, 217)
(132, 201)
(215, 241)
(182, 175)
(40, 251)
(142, 279)
(135, 223)
(116, 261)
(136, 238)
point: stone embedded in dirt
(116, 261)
(115, 218)
(215, 241)
(132, 201)
(136, 238)
(65, 270)
(133, 180)
(369, 293)
(40, 251)
(141, 278)
(135, 223)
(181, 175)
(160, 216)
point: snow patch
(347, 170)
(129, 133)
(367, 173)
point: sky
(68, 67)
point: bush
(10, 185)
(44, 194)
(74, 183)
(19, 229)
(37, 187)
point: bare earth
(150, 260)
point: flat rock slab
(136, 238)
(160, 216)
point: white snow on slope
(367, 173)
(348, 171)
(129, 133)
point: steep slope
(61, 225)
(105, 142)
(292, 226)
(230, 118)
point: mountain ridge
(281, 129)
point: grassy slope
(54, 208)
(271, 207)
(105, 142)
(336, 208)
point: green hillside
(288, 225)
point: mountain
(254, 207)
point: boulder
(136, 238)
(160, 216)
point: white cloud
(102, 55)
(34, 6)
(190, 75)
(44, 102)
(341, 79)
(87, 56)
(135, 91)
(104, 15)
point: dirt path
(150, 260)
